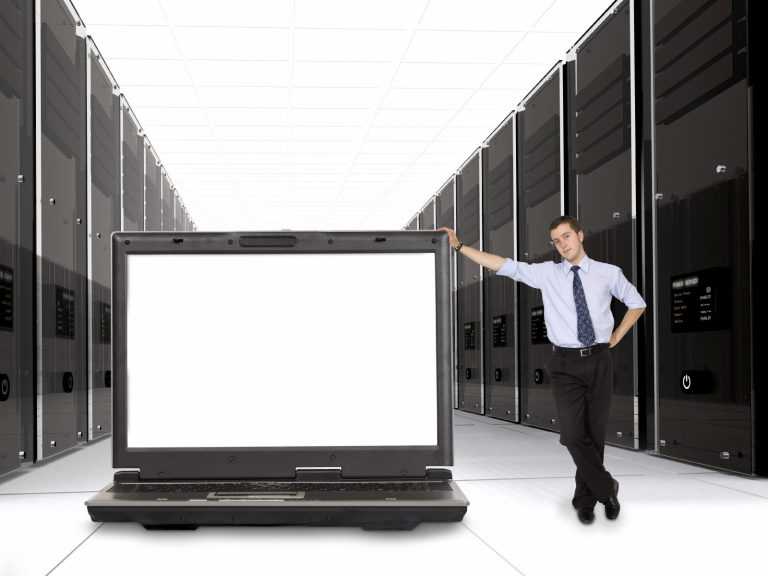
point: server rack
(469, 303)
(427, 215)
(153, 174)
(413, 223)
(103, 219)
(62, 300)
(602, 182)
(500, 294)
(445, 217)
(540, 200)
(17, 258)
(132, 149)
(709, 407)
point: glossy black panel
(427, 216)
(500, 309)
(539, 202)
(133, 174)
(62, 232)
(17, 185)
(152, 182)
(600, 182)
(104, 219)
(469, 322)
(703, 244)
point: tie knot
(574, 269)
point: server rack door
(413, 223)
(703, 242)
(152, 178)
(133, 173)
(17, 180)
(178, 214)
(166, 206)
(601, 188)
(427, 216)
(469, 321)
(539, 202)
(445, 217)
(500, 332)
(62, 232)
(104, 191)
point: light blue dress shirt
(601, 283)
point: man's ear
(581, 236)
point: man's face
(568, 242)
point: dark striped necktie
(584, 329)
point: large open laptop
(281, 378)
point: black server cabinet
(167, 206)
(413, 223)
(179, 214)
(103, 219)
(133, 171)
(427, 216)
(601, 182)
(540, 200)
(62, 243)
(469, 319)
(17, 216)
(152, 179)
(703, 246)
(500, 310)
(445, 217)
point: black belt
(581, 352)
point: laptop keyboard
(249, 487)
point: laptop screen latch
(318, 474)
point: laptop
(281, 378)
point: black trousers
(582, 388)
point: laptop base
(190, 518)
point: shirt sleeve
(530, 274)
(625, 291)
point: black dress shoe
(586, 515)
(612, 506)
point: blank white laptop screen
(270, 350)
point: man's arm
(485, 259)
(632, 316)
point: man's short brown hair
(570, 220)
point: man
(577, 296)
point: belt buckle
(584, 352)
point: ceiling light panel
(267, 13)
(415, 98)
(238, 73)
(325, 117)
(248, 115)
(483, 14)
(253, 146)
(165, 133)
(259, 97)
(325, 133)
(461, 46)
(521, 76)
(342, 98)
(480, 118)
(242, 133)
(502, 100)
(349, 45)
(424, 117)
(441, 75)
(338, 74)
(355, 14)
(372, 147)
(171, 116)
(399, 133)
(233, 43)
(169, 96)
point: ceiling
(324, 114)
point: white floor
(675, 519)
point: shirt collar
(583, 265)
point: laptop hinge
(318, 474)
(439, 474)
(126, 476)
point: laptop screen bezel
(269, 462)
